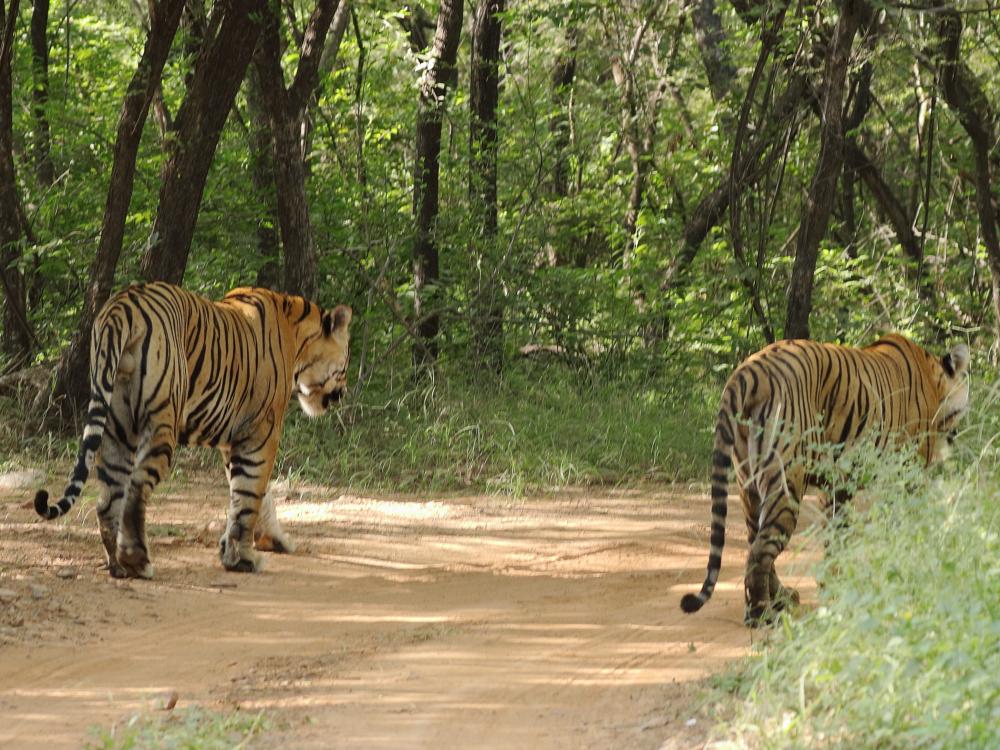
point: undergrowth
(537, 429)
(189, 729)
(902, 650)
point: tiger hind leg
(152, 467)
(114, 473)
(780, 596)
(249, 473)
(776, 521)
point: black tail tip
(691, 603)
(42, 503)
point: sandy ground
(402, 621)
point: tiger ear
(956, 361)
(336, 320)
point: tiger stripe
(784, 402)
(170, 367)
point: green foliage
(544, 427)
(901, 651)
(527, 433)
(360, 161)
(190, 729)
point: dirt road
(439, 622)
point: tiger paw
(236, 559)
(759, 615)
(132, 562)
(785, 598)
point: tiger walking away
(169, 367)
(782, 404)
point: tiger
(169, 367)
(787, 401)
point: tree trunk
(72, 385)
(285, 111)
(754, 160)
(484, 87)
(639, 116)
(710, 36)
(338, 27)
(437, 78)
(161, 114)
(561, 131)
(822, 190)
(262, 179)
(41, 150)
(563, 76)
(218, 73)
(965, 95)
(16, 338)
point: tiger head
(953, 385)
(321, 378)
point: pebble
(7, 595)
(38, 591)
(66, 573)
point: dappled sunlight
(403, 619)
(398, 621)
(347, 506)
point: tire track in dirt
(403, 622)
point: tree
(965, 95)
(563, 76)
(484, 86)
(640, 112)
(42, 155)
(71, 390)
(711, 44)
(219, 70)
(822, 189)
(262, 179)
(17, 339)
(286, 109)
(438, 77)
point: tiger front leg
(249, 472)
(269, 536)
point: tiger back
(795, 396)
(171, 367)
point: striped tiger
(784, 403)
(169, 367)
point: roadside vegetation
(901, 651)
(192, 728)
(537, 430)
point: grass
(902, 651)
(189, 729)
(539, 429)
(522, 435)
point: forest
(560, 225)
